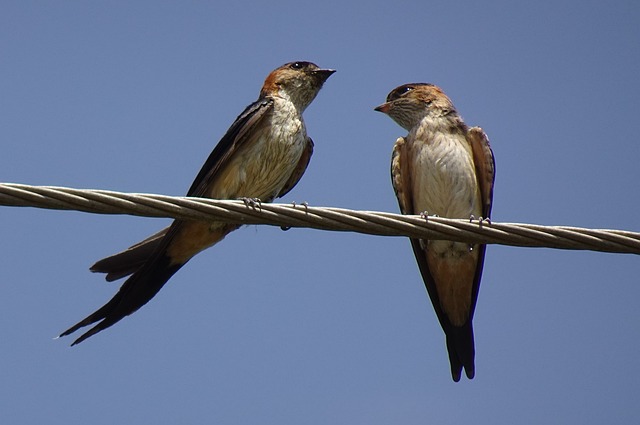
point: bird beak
(384, 108)
(324, 73)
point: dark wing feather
(151, 276)
(128, 261)
(486, 175)
(485, 166)
(299, 170)
(401, 177)
(230, 142)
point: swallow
(262, 156)
(442, 167)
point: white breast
(444, 177)
(262, 167)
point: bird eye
(297, 65)
(398, 92)
(404, 90)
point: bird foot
(305, 204)
(481, 221)
(254, 203)
(425, 215)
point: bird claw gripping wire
(254, 203)
(482, 220)
(305, 204)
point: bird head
(298, 81)
(408, 104)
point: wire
(323, 218)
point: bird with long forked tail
(262, 156)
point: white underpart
(446, 184)
(263, 167)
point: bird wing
(128, 261)
(297, 173)
(235, 137)
(131, 259)
(166, 257)
(485, 166)
(401, 176)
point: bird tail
(131, 259)
(461, 350)
(135, 292)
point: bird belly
(445, 181)
(262, 168)
(445, 184)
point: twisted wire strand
(322, 218)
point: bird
(444, 168)
(262, 156)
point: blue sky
(306, 326)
